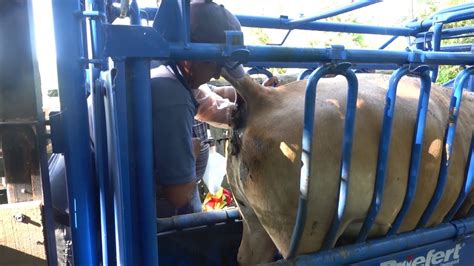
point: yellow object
(218, 201)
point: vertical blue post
(100, 136)
(71, 80)
(140, 94)
(125, 226)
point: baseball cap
(209, 21)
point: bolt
(19, 217)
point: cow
(264, 160)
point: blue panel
(134, 41)
(389, 245)
(171, 20)
(448, 252)
(80, 183)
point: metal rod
(416, 150)
(304, 74)
(467, 184)
(385, 140)
(388, 42)
(80, 184)
(100, 137)
(457, 31)
(148, 43)
(448, 142)
(197, 219)
(344, 171)
(142, 150)
(125, 227)
(282, 23)
(447, 17)
(307, 139)
(260, 70)
(332, 13)
(454, 107)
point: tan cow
(264, 161)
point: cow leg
(256, 246)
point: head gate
(308, 129)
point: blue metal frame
(129, 118)
(307, 140)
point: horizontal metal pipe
(457, 31)
(196, 219)
(316, 64)
(332, 13)
(388, 245)
(281, 23)
(424, 25)
(293, 54)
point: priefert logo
(433, 257)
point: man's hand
(179, 195)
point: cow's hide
(264, 160)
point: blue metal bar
(456, 48)
(388, 42)
(332, 13)
(349, 123)
(142, 148)
(457, 31)
(313, 65)
(282, 23)
(385, 139)
(467, 184)
(80, 184)
(100, 137)
(197, 219)
(149, 43)
(416, 150)
(304, 74)
(455, 104)
(125, 227)
(389, 245)
(436, 43)
(260, 70)
(307, 139)
(453, 9)
(447, 17)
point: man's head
(208, 23)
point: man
(177, 99)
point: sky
(388, 13)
